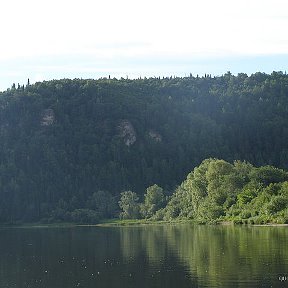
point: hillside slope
(64, 140)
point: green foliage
(268, 174)
(129, 205)
(154, 200)
(209, 211)
(179, 206)
(247, 194)
(196, 183)
(217, 190)
(276, 204)
(103, 203)
(65, 139)
(85, 216)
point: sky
(55, 39)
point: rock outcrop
(48, 117)
(127, 132)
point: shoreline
(130, 222)
(141, 222)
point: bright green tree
(154, 200)
(129, 205)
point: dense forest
(69, 148)
(217, 191)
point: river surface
(148, 256)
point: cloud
(183, 27)
(53, 37)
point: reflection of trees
(136, 240)
(214, 255)
(211, 255)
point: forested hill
(63, 140)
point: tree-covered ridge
(62, 141)
(217, 191)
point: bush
(251, 221)
(233, 211)
(85, 216)
(103, 203)
(237, 221)
(209, 211)
(262, 219)
(246, 196)
(245, 214)
(285, 216)
(59, 215)
(277, 204)
(159, 215)
(129, 205)
(282, 216)
(154, 200)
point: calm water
(147, 256)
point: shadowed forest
(69, 148)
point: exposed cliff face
(127, 132)
(48, 117)
(154, 135)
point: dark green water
(147, 256)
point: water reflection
(147, 256)
(215, 256)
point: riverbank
(132, 222)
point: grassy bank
(128, 222)
(132, 222)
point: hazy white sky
(43, 39)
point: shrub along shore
(216, 192)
